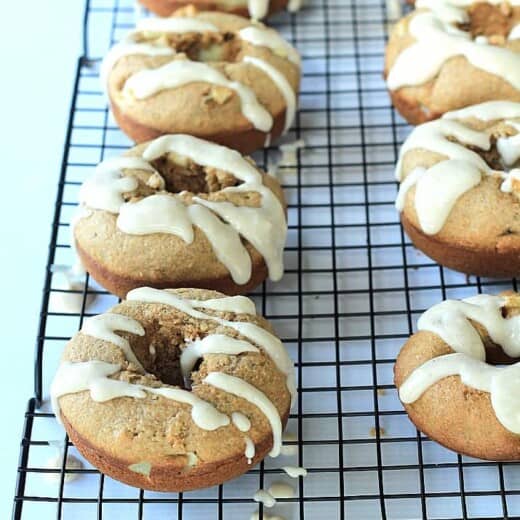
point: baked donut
(179, 211)
(449, 383)
(173, 390)
(256, 9)
(459, 189)
(448, 54)
(212, 75)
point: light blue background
(39, 46)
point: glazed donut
(178, 211)
(256, 9)
(212, 75)
(459, 189)
(449, 384)
(448, 54)
(173, 390)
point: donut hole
(202, 47)
(491, 21)
(182, 175)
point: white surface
(34, 102)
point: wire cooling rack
(353, 289)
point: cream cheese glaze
(439, 187)
(450, 320)
(438, 39)
(222, 222)
(94, 376)
(148, 82)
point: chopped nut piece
(505, 8)
(497, 39)
(155, 181)
(220, 94)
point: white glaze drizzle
(128, 47)
(265, 37)
(93, 376)
(241, 421)
(104, 190)
(264, 497)
(295, 471)
(259, 225)
(507, 185)
(148, 82)
(225, 241)
(294, 5)
(264, 226)
(437, 40)
(103, 326)
(488, 111)
(175, 24)
(450, 321)
(236, 304)
(159, 213)
(509, 147)
(68, 284)
(250, 450)
(240, 388)
(439, 187)
(289, 449)
(212, 344)
(281, 490)
(269, 343)
(56, 462)
(437, 191)
(258, 8)
(281, 83)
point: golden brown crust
(120, 284)
(167, 477)
(245, 142)
(451, 413)
(167, 7)
(458, 83)
(121, 432)
(195, 108)
(503, 260)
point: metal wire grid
(353, 289)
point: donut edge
(245, 142)
(121, 285)
(169, 478)
(501, 261)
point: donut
(213, 75)
(448, 381)
(173, 390)
(256, 9)
(459, 189)
(448, 54)
(179, 211)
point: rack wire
(353, 289)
